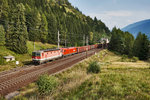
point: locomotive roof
(46, 50)
(50, 50)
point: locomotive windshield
(36, 54)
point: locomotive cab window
(33, 53)
(36, 54)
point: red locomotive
(42, 56)
(69, 51)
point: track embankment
(13, 80)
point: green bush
(135, 59)
(46, 84)
(124, 58)
(93, 67)
(149, 60)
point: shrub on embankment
(93, 67)
(46, 84)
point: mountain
(141, 26)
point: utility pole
(87, 40)
(86, 52)
(58, 39)
(83, 39)
(34, 45)
(65, 43)
(102, 45)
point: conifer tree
(4, 9)
(43, 29)
(17, 35)
(52, 29)
(141, 47)
(34, 23)
(129, 40)
(137, 45)
(113, 41)
(119, 46)
(145, 48)
(2, 36)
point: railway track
(23, 71)
(15, 79)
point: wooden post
(86, 52)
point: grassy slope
(23, 59)
(117, 80)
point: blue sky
(119, 13)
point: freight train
(42, 56)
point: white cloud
(120, 18)
(118, 13)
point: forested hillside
(125, 44)
(40, 20)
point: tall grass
(117, 81)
